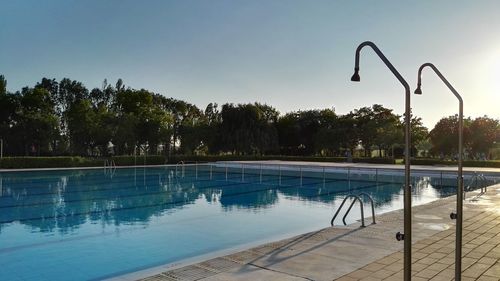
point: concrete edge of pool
(326, 254)
(290, 165)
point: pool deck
(369, 253)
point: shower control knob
(400, 236)
(453, 216)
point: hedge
(213, 158)
(127, 160)
(58, 162)
(466, 163)
(48, 162)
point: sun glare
(494, 77)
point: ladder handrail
(176, 165)
(484, 183)
(372, 203)
(471, 181)
(362, 211)
(343, 202)
(477, 181)
(361, 206)
(109, 163)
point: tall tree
(484, 133)
(80, 118)
(37, 123)
(3, 85)
(444, 136)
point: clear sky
(290, 54)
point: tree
(378, 126)
(419, 134)
(484, 132)
(389, 129)
(326, 141)
(288, 134)
(3, 85)
(125, 138)
(248, 129)
(9, 107)
(103, 128)
(154, 128)
(80, 118)
(37, 124)
(444, 136)
(347, 132)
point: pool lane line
(100, 177)
(64, 240)
(125, 177)
(117, 188)
(154, 192)
(71, 190)
(154, 180)
(163, 192)
(138, 207)
(154, 189)
(348, 190)
(79, 178)
(149, 194)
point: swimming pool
(91, 224)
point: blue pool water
(94, 224)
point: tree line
(65, 118)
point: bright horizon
(291, 55)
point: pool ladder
(109, 164)
(356, 198)
(180, 163)
(477, 181)
(109, 167)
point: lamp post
(458, 216)
(407, 188)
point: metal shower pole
(458, 216)
(407, 189)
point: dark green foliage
(64, 118)
(139, 160)
(480, 137)
(248, 129)
(467, 163)
(48, 162)
(65, 162)
(213, 158)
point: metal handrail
(109, 167)
(362, 211)
(343, 202)
(476, 181)
(372, 203)
(485, 183)
(177, 165)
(109, 164)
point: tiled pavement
(434, 257)
(369, 253)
